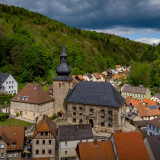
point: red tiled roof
(13, 134)
(32, 93)
(128, 100)
(119, 76)
(45, 125)
(96, 75)
(89, 151)
(135, 102)
(130, 146)
(148, 101)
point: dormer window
(13, 144)
(18, 97)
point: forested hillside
(30, 45)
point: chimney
(95, 142)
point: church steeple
(63, 70)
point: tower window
(59, 85)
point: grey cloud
(97, 14)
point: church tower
(62, 83)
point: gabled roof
(96, 75)
(95, 93)
(13, 134)
(133, 89)
(74, 132)
(102, 150)
(32, 93)
(157, 95)
(130, 146)
(155, 122)
(154, 142)
(3, 77)
(45, 125)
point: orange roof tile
(119, 76)
(117, 66)
(96, 75)
(148, 101)
(80, 77)
(45, 125)
(146, 111)
(13, 134)
(89, 151)
(32, 93)
(135, 102)
(128, 100)
(130, 146)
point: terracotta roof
(13, 134)
(130, 146)
(45, 125)
(147, 110)
(32, 93)
(119, 76)
(128, 99)
(148, 101)
(117, 66)
(102, 150)
(96, 75)
(135, 102)
(133, 89)
(155, 122)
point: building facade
(31, 103)
(156, 98)
(44, 139)
(8, 84)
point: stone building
(11, 142)
(31, 103)
(44, 139)
(97, 103)
(62, 83)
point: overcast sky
(134, 19)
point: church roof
(95, 93)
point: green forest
(30, 45)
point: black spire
(63, 70)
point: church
(96, 103)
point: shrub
(4, 116)
(17, 114)
(54, 116)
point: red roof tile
(96, 75)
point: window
(43, 142)
(12, 81)
(109, 118)
(9, 82)
(37, 141)
(91, 111)
(46, 133)
(6, 82)
(10, 155)
(16, 154)
(65, 152)
(2, 146)
(12, 86)
(49, 151)
(33, 114)
(43, 151)
(41, 133)
(80, 121)
(50, 142)
(102, 118)
(59, 85)
(74, 119)
(13, 144)
(65, 143)
(2, 155)
(37, 151)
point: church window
(74, 114)
(102, 118)
(109, 118)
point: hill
(30, 45)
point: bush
(4, 116)
(54, 116)
(17, 114)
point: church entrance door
(91, 123)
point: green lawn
(14, 122)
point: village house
(97, 150)
(31, 103)
(135, 92)
(153, 146)
(146, 111)
(153, 127)
(128, 146)
(11, 142)
(156, 98)
(97, 77)
(68, 138)
(88, 77)
(8, 84)
(97, 103)
(44, 139)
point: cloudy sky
(135, 19)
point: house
(31, 103)
(146, 111)
(156, 98)
(135, 92)
(44, 139)
(88, 77)
(97, 77)
(97, 150)
(153, 127)
(11, 142)
(8, 84)
(119, 76)
(153, 146)
(129, 146)
(68, 138)
(97, 103)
